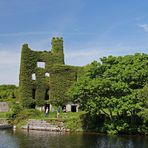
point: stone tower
(44, 75)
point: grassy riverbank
(71, 120)
(78, 121)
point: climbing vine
(60, 78)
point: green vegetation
(3, 115)
(8, 92)
(44, 89)
(19, 116)
(74, 121)
(114, 93)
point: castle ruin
(44, 77)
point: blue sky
(91, 29)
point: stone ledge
(43, 125)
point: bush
(28, 103)
(26, 114)
(15, 109)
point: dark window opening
(33, 97)
(73, 108)
(64, 106)
(47, 94)
(76, 77)
(33, 93)
(32, 105)
(13, 95)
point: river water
(45, 139)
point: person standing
(46, 112)
(58, 111)
(64, 110)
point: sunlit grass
(3, 115)
(62, 115)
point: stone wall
(71, 107)
(44, 77)
(4, 107)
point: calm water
(43, 139)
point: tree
(111, 87)
(8, 92)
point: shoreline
(42, 125)
(5, 126)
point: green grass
(42, 116)
(3, 115)
(71, 120)
(62, 116)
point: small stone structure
(72, 107)
(43, 108)
(4, 107)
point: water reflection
(44, 139)
(7, 140)
(122, 142)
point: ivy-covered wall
(51, 87)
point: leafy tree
(8, 92)
(111, 87)
(143, 95)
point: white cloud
(82, 53)
(84, 56)
(45, 33)
(9, 57)
(9, 67)
(144, 27)
(24, 33)
(78, 54)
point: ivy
(61, 76)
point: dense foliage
(8, 92)
(18, 114)
(114, 92)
